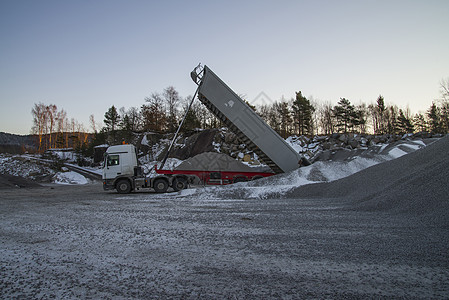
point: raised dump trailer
(243, 120)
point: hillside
(13, 143)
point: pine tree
(344, 113)
(302, 114)
(391, 118)
(191, 121)
(420, 123)
(404, 124)
(434, 118)
(111, 118)
(360, 118)
(285, 119)
(444, 116)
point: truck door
(113, 167)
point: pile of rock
(211, 161)
(337, 141)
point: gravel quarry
(380, 233)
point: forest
(162, 112)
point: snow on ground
(69, 178)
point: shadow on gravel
(10, 181)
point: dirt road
(81, 242)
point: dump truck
(122, 172)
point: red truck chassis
(218, 177)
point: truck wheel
(179, 184)
(123, 186)
(160, 185)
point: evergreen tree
(274, 119)
(302, 114)
(360, 118)
(391, 118)
(111, 118)
(191, 122)
(444, 116)
(434, 118)
(404, 124)
(344, 113)
(420, 123)
(285, 119)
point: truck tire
(123, 186)
(160, 185)
(179, 184)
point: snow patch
(396, 152)
(69, 178)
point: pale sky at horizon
(85, 56)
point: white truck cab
(121, 171)
(120, 160)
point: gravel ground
(81, 242)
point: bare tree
(172, 99)
(153, 114)
(325, 119)
(51, 115)
(39, 113)
(92, 123)
(444, 89)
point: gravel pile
(211, 161)
(25, 168)
(416, 183)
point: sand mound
(415, 183)
(211, 161)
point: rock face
(196, 144)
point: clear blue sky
(85, 56)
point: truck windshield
(113, 160)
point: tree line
(54, 129)
(298, 116)
(162, 112)
(301, 116)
